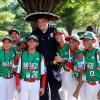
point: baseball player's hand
(42, 90)
(18, 89)
(59, 59)
(76, 94)
(77, 79)
(99, 95)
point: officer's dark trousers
(54, 85)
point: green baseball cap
(60, 30)
(33, 37)
(73, 36)
(80, 34)
(22, 40)
(13, 30)
(88, 35)
(8, 38)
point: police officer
(48, 47)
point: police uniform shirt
(47, 43)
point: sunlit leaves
(6, 17)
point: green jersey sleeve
(98, 60)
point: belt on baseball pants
(94, 83)
(28, 80)
(7, 77)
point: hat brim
(86, 38)
(67, 38)
(21, 42)
(32, 38)
(7, 39)
(10, 32)
(57, 32)
(35, 16)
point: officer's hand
(18, 89)
(42, 90)
(76, 94)
(59, 59)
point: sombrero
(36, 15)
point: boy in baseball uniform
(22, 44)
(68, 54)
(78, 62)
(78, 66)
(61, 57)
(92, 59)
(22, 47)
(31, 69)
(15, 34)
(7, 80)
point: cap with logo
(8, 38)
(33, 37)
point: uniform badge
(52, 35)
(28, 75)
(80, 64)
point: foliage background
(75, 14)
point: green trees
(12, 15)
(75, 14)
(79, 13)
(5, 16)
(36, 5)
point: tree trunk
(69, 31)
(36, 5)
(33, 25)
(31, 6)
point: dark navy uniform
(48, 47)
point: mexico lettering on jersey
(92, 65)
(31, 66)
(77, 59)
(6, 62)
